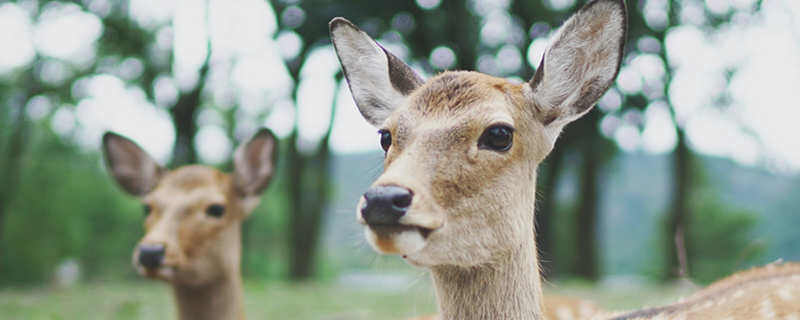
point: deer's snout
(385, 204)
(151, 256)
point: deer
(461, 149)
(555, 307)
(193, 219)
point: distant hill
(635, 196)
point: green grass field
(275, 300)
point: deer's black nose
(151, 255)
(385, 204)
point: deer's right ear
(378, 80)
(135, 171)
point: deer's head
(193, 214)
(462, 148)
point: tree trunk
(547, 191)
(17, 143)
(678, 217)
(309, 189)
(299, 259)
(465, 31)
(306, 220)
(586, 264)
(678, 213)
(299, 255)
(184, 116)
(13, 163)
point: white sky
(248, 70)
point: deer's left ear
(581, 63)
(254, 164)
(378, 80)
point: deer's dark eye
(496, 138)
(386, 139)
(146, 209)
(215, 210)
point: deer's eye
(146, 209)
(496, 138)
(386, 139)
(215, 210)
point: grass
(153, 300)
(278, 300)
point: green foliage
(718, 242)
(264, 233)
(720, 238)
(66, 207)
(564, 225)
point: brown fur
(769, 292)
(202, 253)
(556, 307)
(465, 193)
(386, 244)
(449, 91)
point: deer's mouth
(397, 238)
(166, 273)
(390, 229)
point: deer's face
(458, 186)
(193, 214)
(461, 152)
(191, 226)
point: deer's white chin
(165, 273)
(400, 239)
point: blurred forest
(58, 206)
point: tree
(124, 37)
(588, 211)
(16, 145)
(121, 38)
(684, 166)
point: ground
(278, 300)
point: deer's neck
(507, 289)
(219, 300)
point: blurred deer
(556, 307)
(193, 218)
(457, 192)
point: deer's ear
(254, 163)
(135, 171)
(378, 80)
(581, 63)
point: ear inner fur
(254, 163)
(403, 78)
(378, 80)
(133, 169)
(561, 96)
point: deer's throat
(221, 299)
(507, 289)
